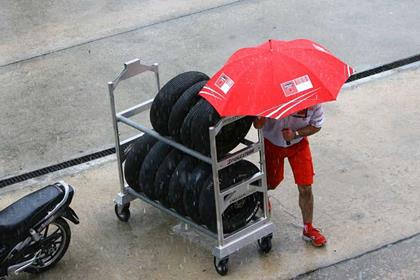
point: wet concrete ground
(367, 163)
(56, 57)
(395, 261)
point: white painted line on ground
(411, 66)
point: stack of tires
(177, 180)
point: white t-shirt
(273, 128)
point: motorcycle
(34, 233)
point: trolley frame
(226, 243)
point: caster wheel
(123, 212)
(221, 266)
(265, 243)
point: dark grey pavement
(395, 261)
(30, 29)
(58, 57)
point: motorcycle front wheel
(55, 240)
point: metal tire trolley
(259, 229)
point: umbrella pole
(287, 127)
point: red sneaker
(314, 236)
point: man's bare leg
(306, 203)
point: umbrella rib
(297, 103)
(214, 91)
(210, 94)
(287, 103)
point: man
(287, 138)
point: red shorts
(300, 159)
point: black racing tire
(192, 191)
(232, 134)
(63, 229)
(181, 108)
(167, 97)
(136, 154)
(150, 166)
(239, 213)
(201, 111)
(195, 130)
(164, 174)
(178, 182)
(185, 131)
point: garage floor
(367, 163)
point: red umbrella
(276, 79)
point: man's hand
(288, 134)
(259, 122)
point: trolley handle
(133, 68)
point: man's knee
(305, 190)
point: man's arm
(309, 130)
(314, 126)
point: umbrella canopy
(276, 79)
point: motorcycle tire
(181, 108)
(164, 174)
(178, 182)
(167, 97)
(150, 166)
(192, 190)
(237, 214)
(195, 134)
(135, 157)
(63, 228)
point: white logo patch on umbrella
(297, 85)
(224, 83)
